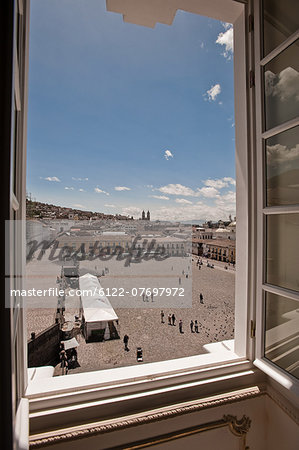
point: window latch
(250, 23)
(251, 78)
(252, 328)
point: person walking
(201, 298)
(63, 362)
(169, 319)
(196, 326)
(191, 326)
(180, 280)
(173, 319)
(126, 340)
(181, 326)
(162, 316)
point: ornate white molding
(239, 428)
(79, 432)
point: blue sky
(130, 117)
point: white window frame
(280, 376)
(15, 227)
(219, 365)
(117, 391)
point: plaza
(140, 318)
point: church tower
(148, 216)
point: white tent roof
(70, 343)
(96, 307)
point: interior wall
(281, 431)
(271, 429)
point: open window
(233, 13)
(267, 204)
(277, 120)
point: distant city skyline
(123, 118)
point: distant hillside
(41, 210)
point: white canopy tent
(70, 343)
(97, 311)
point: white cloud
(77, 205)
(122, 188)
(177, 189)
(227, 199)
(159, 197)
(110, 206)
(69, 188)
(79, 179)
(100, 191)
(199, 211)
(213, 92)
(132, 211)
(230, 180)
(81, 190)
(270, 79)
(183, 201)
(227, 39)
(52, 179)
(168, 154)
(226, 25)
(209, 192)
(220, 183)
(284, 85)
(280, 154)
(202, 45)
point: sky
(123, 118)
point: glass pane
(282, 87)
(282, 332)
(283, 251)
(282, 168)
(280, 21)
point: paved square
(142, 323)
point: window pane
(282, 332)
(283, 251)
(282, 87)
(282, 158)
(280, 21)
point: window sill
(220, 354)
(57, 402)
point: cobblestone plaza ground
(142, 322)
